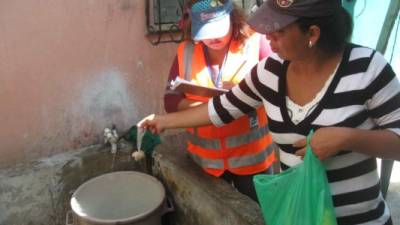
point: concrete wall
(70, 68)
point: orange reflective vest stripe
(242, 147)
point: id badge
(253, 120)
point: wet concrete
(38, 193)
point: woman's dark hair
(335, 30)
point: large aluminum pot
(127, 197)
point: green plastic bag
(298, 196)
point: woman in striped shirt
(316, 80)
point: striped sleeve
(242, 99)
(384, 92)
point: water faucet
(111, 136)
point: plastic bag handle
(308, 146)
(309, 138)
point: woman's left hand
(228, 85)
(326, 142)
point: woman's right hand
(153, 123)
(192, 117)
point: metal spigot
(111, 136)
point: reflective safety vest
(242, 147)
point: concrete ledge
(200, 199)
(39, 192)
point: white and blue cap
(210, 19)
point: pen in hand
(237, 71)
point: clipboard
(188, 87)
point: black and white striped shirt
(364, 94)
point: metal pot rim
(134, 218)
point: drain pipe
(390, 19)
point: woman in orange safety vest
(220, 49)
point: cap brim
(212, 29)
(265, 20)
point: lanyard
(217, 80)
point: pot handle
(69, 216)
(168, 206)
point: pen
(237, 71)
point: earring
(310, 44)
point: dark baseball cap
(274, 15)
